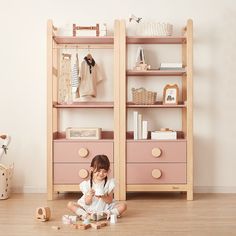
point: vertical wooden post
(116, 109)
(49, 109)
(122, 97)
(56, 74)
(189, 53)
(120, 109)
(184, 86)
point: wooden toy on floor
(96, 216)
(83, 226)
(56, 227)
(43, 213)
(87, 224)
(98, 225)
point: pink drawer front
(163, 173)
(156, 151)
(81, 151)
(70, 173)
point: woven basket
(5, 181)
(143, 97)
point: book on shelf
(139, 126)
(135, 123)
(144, 130)
(171, 66)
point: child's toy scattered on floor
(67, 219)
(95, 220)
(56, 227)
(43, 213)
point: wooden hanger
(66, 56)
(89, 55)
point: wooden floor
(148, 214)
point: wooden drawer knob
(83, 173)
(156, 152)
(156, 173)
(83, 152)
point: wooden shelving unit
(65, 157)
(129, 157)
(165, 165)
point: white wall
(23, 79)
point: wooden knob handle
(156, 152)
(156, 173)
(83, 152)
(83, 173)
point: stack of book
(140, 126)
(171, 66)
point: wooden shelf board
(155, 40)
(130, 137)
(84, 40)
(156, 140)
(82, 140)
(85, 105)
(156, 105)
(156, 73)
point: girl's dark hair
(99, 162)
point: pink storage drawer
(70, 173)
(77, 151)
(168, 151)
(171, 173)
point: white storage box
(164, 135)
(83, 133)
(5, 181)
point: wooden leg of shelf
(190, 195)
(119, 197)
(50, 195)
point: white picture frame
(171, 94)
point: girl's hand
(91, 192)
(103, 196)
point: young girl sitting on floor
(97, 192)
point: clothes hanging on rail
(90, 75)
(65, 93)
(75, 78)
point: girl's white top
(97, 205)
(88, 82)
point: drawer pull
(83, 173)
(156, 173)
(83, 152)
(156, 152)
